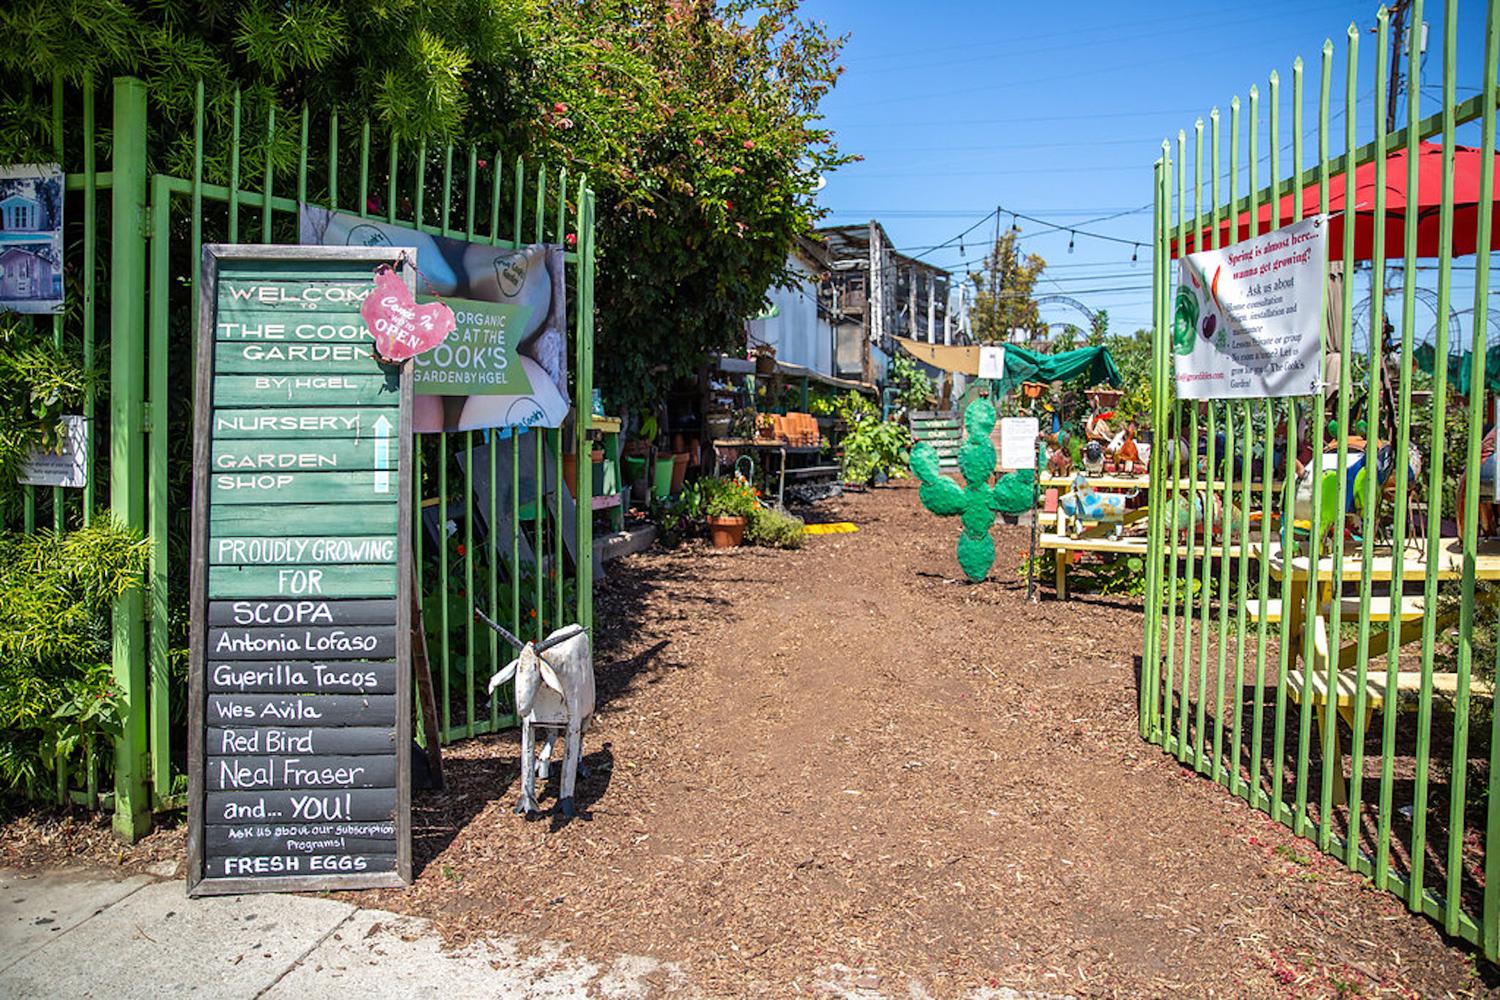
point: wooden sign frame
(197, 882)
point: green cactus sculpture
(975, 504)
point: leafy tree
(1004, 299)
(1099, 328)
(696, 121)
(1132, 352)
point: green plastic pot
(663, 478)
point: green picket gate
(1346, 689)
(241, 178)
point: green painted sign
(308, 422)
(305, 517)
(292, 455)
(281, 356)
(301, 389)
(480, 356)
(302, 487)
(301, 580)
(301, 589)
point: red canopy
(1467, 165)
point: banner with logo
(1248, 319)
(31, 228)
(505, 364)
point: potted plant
(1105, 398)
(728, 503)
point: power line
(951, 240)
(1074, 230)
(925, 213)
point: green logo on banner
(480, 357)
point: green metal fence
(241, 178)
(1396, 772)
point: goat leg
(527, 805)
(544, 759)
(570, 768)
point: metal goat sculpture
(555, 693)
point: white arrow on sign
(382, 455)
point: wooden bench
(1064, 545)
(1380, 609)
(1407, 695)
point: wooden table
(780, 448)
(1414, 566)
(1332, 663)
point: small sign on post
(299, 722)
(1018, 442)
(992, 362)
(67, 465)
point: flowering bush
(728, 497)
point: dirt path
(839, 766)
(841, 771)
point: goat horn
(558, 639)
(504, 634)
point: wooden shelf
(607, 425)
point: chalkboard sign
(299, 769)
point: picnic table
(1095, 536)
(1407, 614)
(1099, 536)
(1414, 566)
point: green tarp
(1093, 364)
(1460, 368)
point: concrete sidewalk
(83, 934)
(75, 934)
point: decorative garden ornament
(977, 503)
(554, 694)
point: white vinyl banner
(1248, 319)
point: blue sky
(1057, 110)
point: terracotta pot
(1106, 399)
(727, 532)
(1033, 390)
(679, 470)
(570, 472)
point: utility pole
(995, 278)
(1398, 21)
(931, 308)
(911, 306)
(948, 315)
(875, 293)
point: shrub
(913, 387)
(773, 529)
(58, 703)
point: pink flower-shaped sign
(402, 328)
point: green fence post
(127, 464)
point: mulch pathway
(843, 767)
